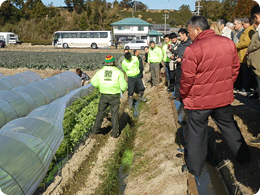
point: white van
(9, 37)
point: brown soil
(43, 73)
(247, 114)
(156, 169)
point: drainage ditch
(127, 156)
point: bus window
(94, 35)
(65, 35)
(103, 35)
(73, 35)
(84, 35)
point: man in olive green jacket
(155, 57)
(244, 80)
(111, 82)
(130, 66)
(253, 58)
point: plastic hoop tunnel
(27, 145)
(20, 79)
(21, 100)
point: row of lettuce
(53, 60)
(78, 121)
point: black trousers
(114, 102)
(245, 78)
(177, 81)
(197, 141)
(172, 80)
(135, 84)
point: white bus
(9, 37)
(93, 39)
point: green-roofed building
(155, 36)
(130, 28)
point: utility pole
(166, 16)
(198, 7)
(133, 11)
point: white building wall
(130, 30)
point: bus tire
(142, 48)
(94, 46)
(65, 46)
(127, 47)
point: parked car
(136, 44)
(2, 44)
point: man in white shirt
(225, 31)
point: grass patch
(110, 183)
(38, 42)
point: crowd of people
(241, 32)
(204, 68)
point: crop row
(78, 121)
(53, 60)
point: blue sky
(152, 4)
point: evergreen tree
(69, 5)
(75, 5)
(212, 10)
(243, 8)
(126, 3)
(9, 13)
(185, 13)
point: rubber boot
(141, 93)
(130, 100)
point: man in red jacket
(209, 69)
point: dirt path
(156, 169)
(71, 168)
(93, 180)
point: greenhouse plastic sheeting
(27, 145)
(20, 79)
(21, 100)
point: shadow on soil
(124, 119)
(248, 175)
